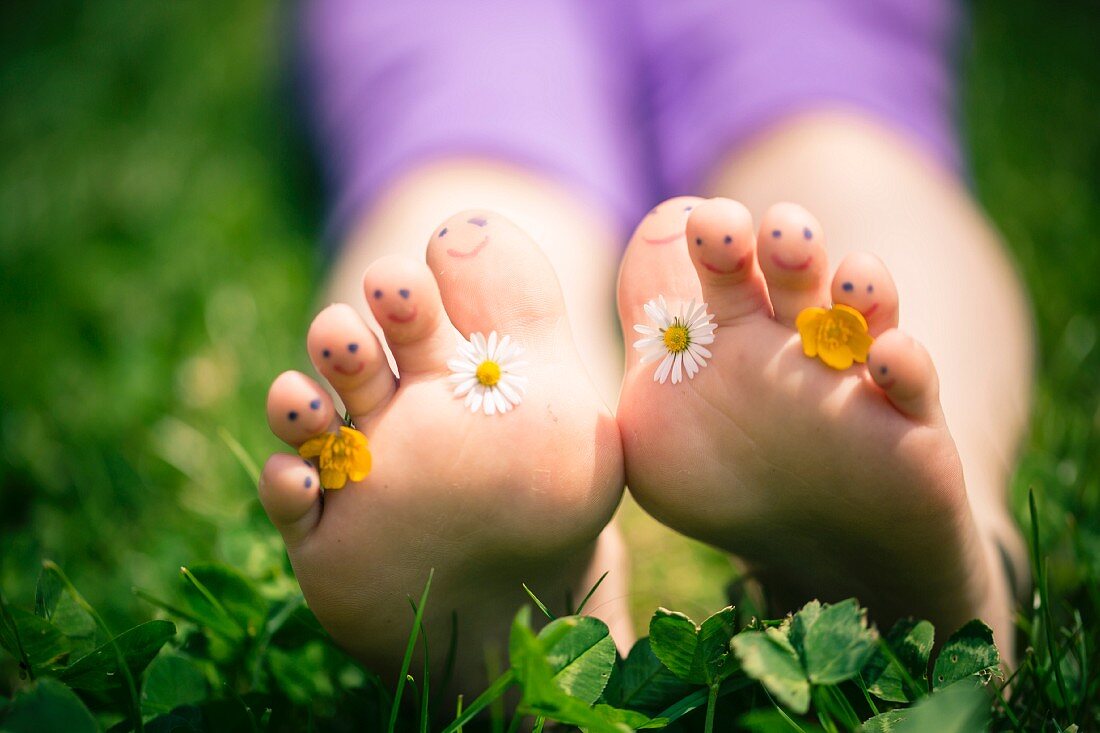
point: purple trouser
(627, 102)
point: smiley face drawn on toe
(348, 367)
(863, 282)
(472, 230)
(793, 267)
(400, 311)
(665, 223)
(737, 267)
(791, 244)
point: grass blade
(1044, 600)
(240, 454)
(592, 590)
(493, 692)
(409, 652)
(540, 604)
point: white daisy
(487, 373)
(679, 339)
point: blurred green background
(158, 220)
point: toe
(656, 263)
(863, 282)
(904, 371)
(349, 356)
(298, 409)
(722, 246)
(493, 277)
(404, 298)
(290, 491)
(791, 247)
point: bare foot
(830, 483)
(510, 481)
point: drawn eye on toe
(477, 221)
(848, 287)
(870, 288)
(404, 293)
(443, 232)
(807, 233)
(292, 415)
(688, 208)
(776, 233)
(728, 240)
(377, 294)
(315, 405)
(326, 353)
(882, 369)
(699, 241)
(353, 347)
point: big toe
(792, 255)
(656, 264)
(722, 246)
(493, 277)
(902, 368)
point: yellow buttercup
(343, 456)
(837, 336)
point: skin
(554, 462)
(781, 459)
(834, 164)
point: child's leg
(417, 106)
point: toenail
(309, 482)
(729, 239)
(353, 348)
(315, 405)
(377, 294)
(776, 233)
(443, 232)
(326, 353)
(699, 241)
(404, 293)
(848, 287)
(292, 415)
(807, 233)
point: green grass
(157, 264)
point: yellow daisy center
(676, 338)
(488, 373)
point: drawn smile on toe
(473, 252)
(736, 268)
(888, 385)
(664, 240)
(788, 266)
(407, 318)
(867, 313)
(349, 372)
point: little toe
(493, 277)
(290, 491)
(863, 282)
(722, 246)
(792, 255)
(349, 356)
(404, 298)
(298, 408)
(902, 368)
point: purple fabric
(627, 101)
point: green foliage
(899, 673)
(698, 654)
